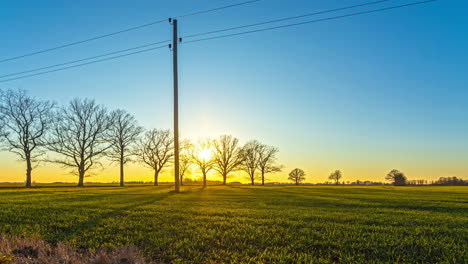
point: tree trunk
(204, 179)
(28, 172)
(224, 179)
(263, 177)
(181, 180)
(297, 182)
(252, 179)
(122, 180)
(156, 175)
(81, 178)
(81, 173)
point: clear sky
(363, 94)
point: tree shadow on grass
(330, 200)
(86, 226)
(409, 205)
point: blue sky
(363, 94)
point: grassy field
(316, 224)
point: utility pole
(175, 41)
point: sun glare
(205, 154)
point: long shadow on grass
(409, 205)
(331, 200)
(92, 195)
(88, 225)
(72, 194)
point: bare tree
(24, 121)
(122, 134)
(397, 177)
(267, 161)
(336, 176)
(202, 157)
(156, 150)
(185, 160)
(227, 155)
(251, 159)
(78, 136)
(297, 176)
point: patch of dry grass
(21, 250)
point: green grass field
(316, 224)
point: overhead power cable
(216, 37)
(195, 35)
(285, 19)
(83, 64)
(205, 33)
(217, 9)
(122, 31)
(308, 22)
(82, 41)
(85, 59)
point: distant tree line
(394, 177)
(82, 134)
(398, 178)
(451, 181)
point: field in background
(314, 224)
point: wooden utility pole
(175, 41)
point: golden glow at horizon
(13, 170)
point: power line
(194, 35)
(85, 59)
(309, 22)
(204, 39)
(82, 41)
(83, 64)
(285, 19)
(217, 9)
(121, 31)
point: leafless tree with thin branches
(205, 163)
(122, 135)
(251, 159)
(227, 155)
(297, 176)
(336, 176)
(79, 136)
(268, 161)
(397, 177)
(185, 160)
(24, 122)
(156, 149)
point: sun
(205, 154)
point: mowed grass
(227, 224)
